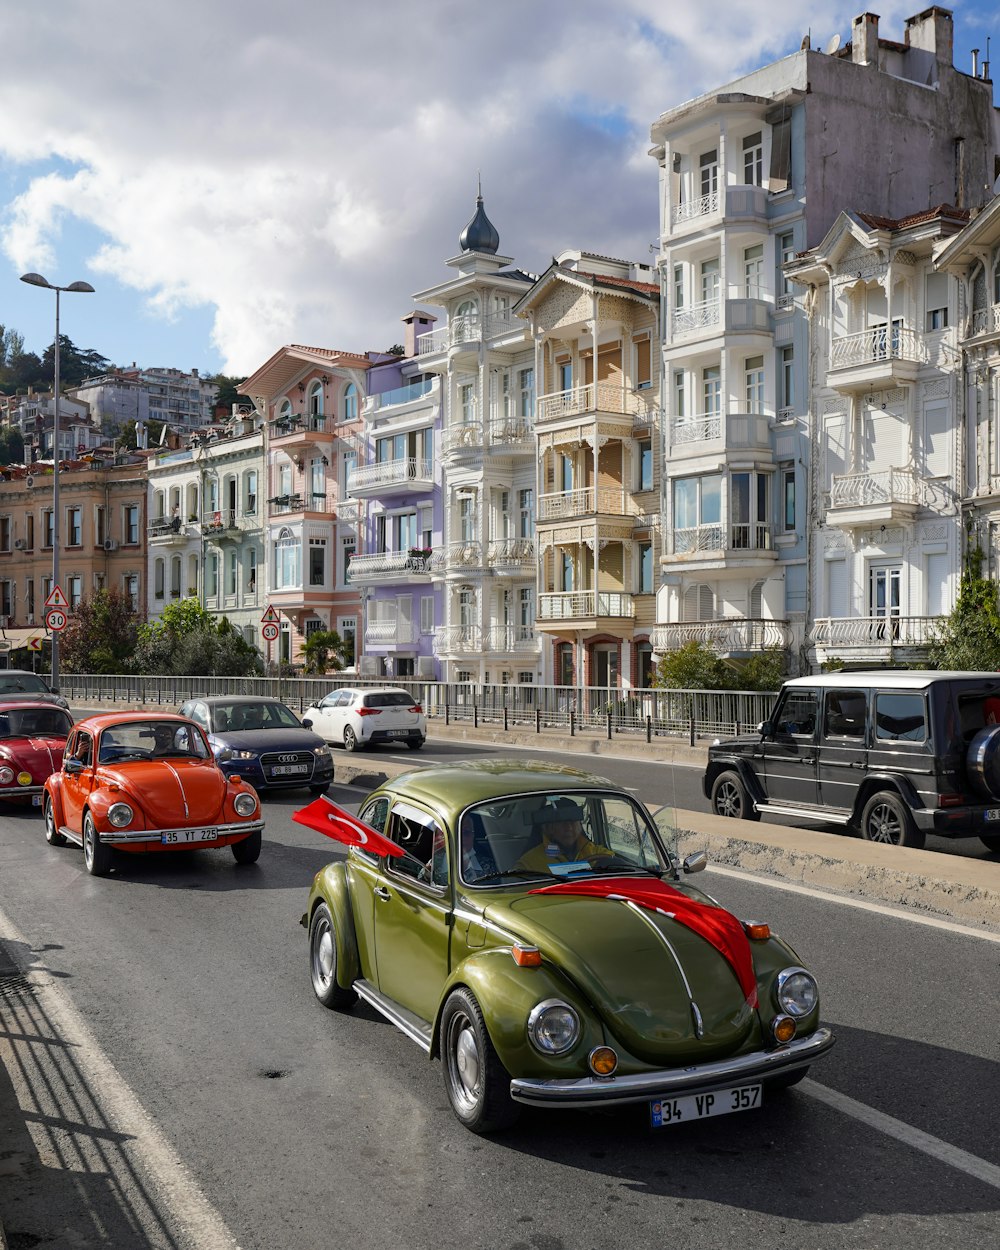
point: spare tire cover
(983, 762)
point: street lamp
(36, 279)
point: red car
(32, 738)
(145, 782)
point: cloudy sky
(233, 175)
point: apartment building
(594, 322)
(33, 416)
(121, 397)
(751, 175)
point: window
(467, 519)
(643, 363)
(286, 561)
(130, 585)
(753, 271)
(348, 546)
(317, 561)
(316, 399)
(697, 501)
(645, 465)
(427, 614)
(250, 574)
(753, 380)
(796, 714)
(350, 402)
(565, 570)
(467, 403)
(678, 391)
(317, 481)
(784, 252)
(349, 466)
(526, 612)
(711, 391)
(232, 567)
(780, 173)
(564, 368)
(884, 592)
(645, 586)
(711, 278)
(526, 389)
(6, 599)
(159, 579)
(753, 160)
(678, 286)
(936, 287)
(131, 523)
(526, 513)
(74, 527)
(787, 477)
(250, 503)
(5, 528)
(845, 713)
(47, 527)
(749, 511)
(708, 167)
(900, 716)
(175, 577)
(786, 378)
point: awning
(11, 639)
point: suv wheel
(887, 819)
(730, 798)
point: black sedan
(263, 741)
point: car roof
(890, 679)
(103, 719)
(213, 700)
(14, 705)
(452, 787)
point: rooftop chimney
(864, 39)
(417, 323)
(932, 31)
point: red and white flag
(336, 823)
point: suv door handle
(807, 759)
(381, 892)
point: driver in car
(562, 839)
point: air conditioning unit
(20, 544)
(111, 544)
(29, 481)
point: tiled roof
(643, 288)
(914, 219)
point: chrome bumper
(114, 838)
(602, 1091)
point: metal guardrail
(690, 714)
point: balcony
(697, 318)
(877, 357)
(458, 640)
(467, 439)
(714, 543)
(466, 333)
(694, 210)
(512, 437)
(460, 558)
(390, 633)
(585, 609)
(985, 321)
(407, 476)
(300, 432)
(167, 531)
(874, 637)
(511, 640)
(228, 523)
(387, 566)
(511, 557)
(307, 501)
(870, 498)
(727, 637)
(595, 397)
(414, 393)
(589, 501)
(715, 432)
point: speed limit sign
(56, 619)
(270, 631)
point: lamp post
(36, 279)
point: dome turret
(480, 235)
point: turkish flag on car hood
(717, 926)
(340, 825)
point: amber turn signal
(783, 1028)
(527, 956)
(603, 1061)
(756, 930)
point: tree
(693, 666)
(970, 637)
(74, 364)
(11, 445)
(101, 634)
(229, 390)
(187, 640)
(764, 670)
(324, 650)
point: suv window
(392, 698)
(845, 714)
(797, 714)
(900, 716)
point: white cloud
(302, 169)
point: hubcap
(467, 1060)
(325, 954)
(728, 801)
(883, 826)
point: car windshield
(562, 835)
(18, 683)
(240, 717)
(30, 722)
(152, 739)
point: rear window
(900, 717)
(13, 682)
(389, 698)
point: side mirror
(73, 767)
(306, 723)
(697, 862)
(764, 728)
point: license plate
(667, 1111)
(288, 770)
(398, 733)
(189, 835)
(991, 814)
(36, 800)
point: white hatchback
(362, 718)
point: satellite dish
(833, 43)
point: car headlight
(227, 753)
(322, 753)
(120, 815)
(553, 1027)
(245, 804)
(6, 776)
(796, 992)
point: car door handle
(808, 759)
(382, 893)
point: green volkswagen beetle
(528, 925)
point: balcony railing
(568, 605)
(877, 343)
(458, 640)
(511, 639)
(985, 320)
(285, 427)
(380, 633)
(466, 436)
(739, 536)
(222, 519)
(728, 636)
(386, 564)
(515, 554)
(459, 555)
(399, 395)
(167, 527)
(859, 490)
(697, 317)
(609, 500)
(594, 397)
(468, 330)
(390, 473)
(845, 632)
(512, 434)
(738, 430)
(695, 208)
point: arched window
(350, 402)
(466, 322)
(285, 410)
(158, 579)
(316, 399)
(159, 503)
(286, 561)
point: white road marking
(972, 1165)
(880, 909)
(180, 1201)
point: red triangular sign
(271, 615)
(56, 599)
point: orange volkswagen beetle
(141, 782)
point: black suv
(893, 754)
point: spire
(480, 234)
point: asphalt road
(171, 1082)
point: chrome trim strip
(416, 1030)
(21, 791)
(806, 813)
(180, 786)
(594, 1091)
(699, 1027)
(154, 835)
